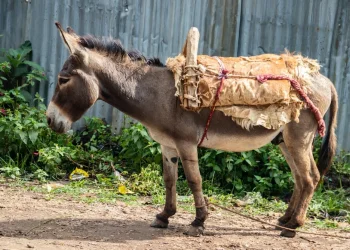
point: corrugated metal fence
(317, 28)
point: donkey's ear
(72, 32)
(71, 40)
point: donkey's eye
(62, 80)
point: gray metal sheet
(316, 28)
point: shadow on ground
(115, 231)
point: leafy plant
(341, 163)
(20, 125)
(9, 168)
(16, 70)
(96, 135)
(40, 175)
(263, 170)
(138, 149)
(148, 182)
(330, 204)
(24, 135)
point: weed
(148, 182)
(138, 149)
(259, 205)
(330, 204)
(87, 191)
(341, 163)
(10, 168)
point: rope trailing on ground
(275, 225)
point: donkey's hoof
(159, 224)
(195, 231)
(288, 233)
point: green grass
(328, 208)
(86, 191)
(333, 204)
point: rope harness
(223, 74)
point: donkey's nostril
(48, 121)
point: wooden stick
(190, 51)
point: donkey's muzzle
(56, 120)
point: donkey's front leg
(189, 159)
(170, 163)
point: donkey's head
(77, 87)
(93, 64)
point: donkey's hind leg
(297, 186)
(299, 145)
(170, 164)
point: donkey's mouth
(56, 121)
(60, 128)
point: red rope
(321, 126)
(222, 77)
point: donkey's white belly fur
(232, 143)
(236, 143)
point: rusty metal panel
(316, 28)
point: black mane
(155, 62)
(115, 48)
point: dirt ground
(29, 221)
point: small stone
(240, 203)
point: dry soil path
(29, 221)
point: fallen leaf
(122, 189)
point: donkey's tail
(329, 145)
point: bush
(28, 147)
(263, 170)
(149, 181)
(23, 129)
(137, 148)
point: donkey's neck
(138, 91)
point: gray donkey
(144, 89)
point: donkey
(144, 89)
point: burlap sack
(250, 103)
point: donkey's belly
(235, 140)
(239, 142)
